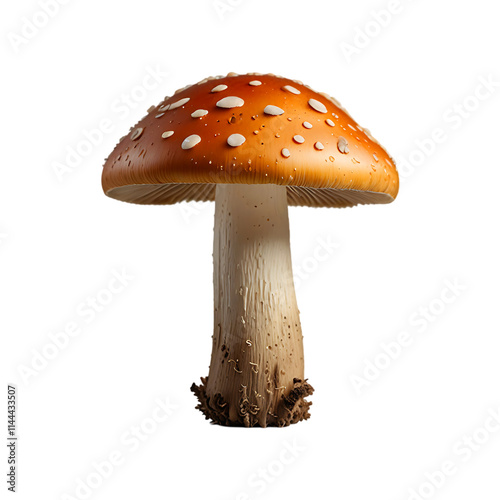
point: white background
(61, 239)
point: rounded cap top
(250, 129)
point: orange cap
(250, 129)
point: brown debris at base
(292, 408)
(217, 410)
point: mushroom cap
(250, 129)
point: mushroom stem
(256, 372)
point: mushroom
(255, 144)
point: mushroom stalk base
(256, 374)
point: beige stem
(257, 367)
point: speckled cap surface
(250, 129)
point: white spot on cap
(291, 89)
(318, 106)
(166, 107)
(285, 152)
(182, 89)
(236, 140)
(349, 125)
(160, 115)
(330, 122)
(167, 134)
(255, 83)
(319, 146)
(191, 141)
(375, 157)
(219, 88)
(199, 113)
(343, 145)
(273, 110)
(179, 103)
(299, 139)
(307, 125)
(230, 102)
(136, 134)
